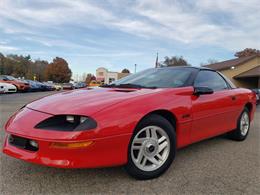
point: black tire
(152, 120)
(237, 134)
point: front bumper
(109, 150)
(103, 152)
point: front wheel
(243, 126)
(152, 148)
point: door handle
(233, 98)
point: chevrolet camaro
(139, 121)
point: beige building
(243, 72)
(106, 77)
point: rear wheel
(243, 126)
(152, 148)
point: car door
(212, 113)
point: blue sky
(117, 34)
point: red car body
(117, 112)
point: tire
(152, 148)
(243, 126)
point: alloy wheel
(244, 123)
(150, 148)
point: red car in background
(21, 86)
(139, 121)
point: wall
(101, 73)
(111, 75)
(240, 69)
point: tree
(247, 52)
(2, 63)
(125, 71)
(39, 69)
(174, 61)
(89, 78)
(58, 71)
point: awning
(255, 72)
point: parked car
(7, 88)
(95, 84)
(49, 86)
(58, 87)
(34, 86)
(79, 85)
(20, 85)
(257, 92)
(41, 86)
(139, 121)
(2, 88)
(67, 86)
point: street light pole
(135, 67)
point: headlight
(67, 123)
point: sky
(117, 34)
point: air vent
(123, 91)
(88, 88)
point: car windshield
(155, 78)
(10, 78)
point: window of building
(111, 80)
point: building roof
(230, 63)
(254, 72)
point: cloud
(8, 48)
(195, 24)
(228, 24)
(109, 55)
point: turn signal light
(71, 145)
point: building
(105, 76)
(243, 72)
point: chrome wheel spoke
(140, 140)
(162, 146)
(148, 134)
(137, 147)
(140, 156)
(159, 157)
(154, 135)
(144, 161)
(162, 139)
(154, 161)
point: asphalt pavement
(215, 166)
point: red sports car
(139, 121)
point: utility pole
(156, 61)
(135, 67)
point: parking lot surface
(214, 166)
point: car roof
(193, 67)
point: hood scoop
(123, 90)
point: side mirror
(202, 91)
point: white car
(7, 88)
(2, 88)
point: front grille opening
(23, 143)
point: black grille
(21, 142)
(11, 89)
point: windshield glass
(10, 78)
(156, 78)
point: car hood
(85, 101)
(6, 85)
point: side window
(210, 79)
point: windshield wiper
(128, 85)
